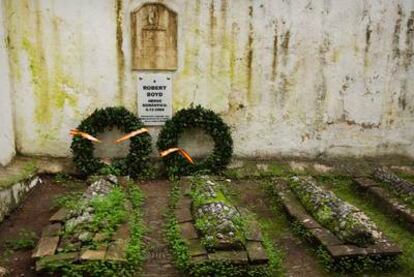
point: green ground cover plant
(25, 240)
(179, 249)
(343, 187)
(109, 212)
(380, 266)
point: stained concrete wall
(301, 78)
(7, 150)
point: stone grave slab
(336, 248)
(46, 247)
(256, 252)
(387, 202)
(188, 231)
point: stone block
(183, 215)
(199, 259)
(365, 183)
(228, 245)
(46, 247)
(343, 250)
(93, 255)
(309, 223)
(195, 248)
(256, 252)
(294, 208)
(252, 231)
(188, 231)
(117, 251)
(184, 203)
(235, 257)
(384, 248)
(51, 230)
(324, 237)
(71, 256)
(59, 216)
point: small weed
(70, 200)
(25, 240)
(61, 178)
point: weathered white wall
(300, 78)
(6, 120)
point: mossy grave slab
(387, 202)
(320, 236)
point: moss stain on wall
(120, 52)
(52, 88)
(275, 54)
(249, 64)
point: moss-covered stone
(344, 220)
(218, 221)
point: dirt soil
(159, 261)
(32, 215)
(35, 212)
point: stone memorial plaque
(154, 38)
(154, 98)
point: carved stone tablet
(154, 38)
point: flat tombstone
(154, 38)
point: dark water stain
(327, 6)
(368, 34)
(224, 37)
(322, 87)
(284, 87)
(396, 35)
(402, 98)
(285, 46)
(120, 51)
(364, 125)
(409, 38)
(213, 26)
(224, 8)
(275, 54)
(250, 55)
(232, 62)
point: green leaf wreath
(135, 164)
(196, 117)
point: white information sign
(154, 98)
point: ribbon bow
(132, 134)
(76, 132)
(179, 150)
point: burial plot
(93, 233)
(343, 232)
(391, 193)
(217, 232)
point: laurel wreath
(213, 125)
(134, 164)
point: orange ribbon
(76, 132)
(132, 134)
(179, 150)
